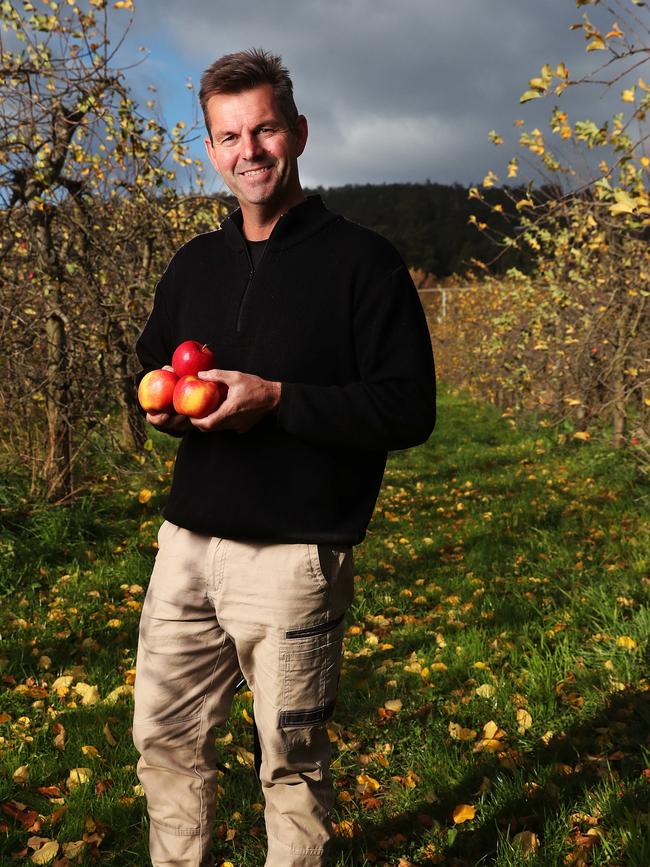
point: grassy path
(494, 705)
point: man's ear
(301, 132)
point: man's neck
(258, 222)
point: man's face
(252, 148)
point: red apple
(198, 397)
(191, 356)
(156, 391)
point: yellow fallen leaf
(78, 776)
(438, 666)
(627, 642)
(91, 751)
(114, 623)
(492, 745)
(21, 774)
(108, 734)
(226, 739)
(459, 733)
(145, 495)
(249, 719)
(244, 757)
(366, 785)
(34, 842)
(89, 694)
(526, 842)
(46, 853)
(394, 704)
(61, 685)
(138, 790)
(486, 690)
(583, 435)
(524, 720)
(492, 730)
(346, 828)
(463, 813)
(117, 693)
(74, 849)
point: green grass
(497, 559)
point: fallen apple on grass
(190, 356)
(156, 391)
(196, 397)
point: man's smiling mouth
(250, 173)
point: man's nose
(250, 146)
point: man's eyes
(264, 131)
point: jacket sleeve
(155, 346)
(393, 403)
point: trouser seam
(198, 739)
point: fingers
(209, 422)
(227, 376)
(157, 418)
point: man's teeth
(256, 171)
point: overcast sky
(394, 90)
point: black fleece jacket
(331, 313)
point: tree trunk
(133, 427)
(58, 466)
(619, 408)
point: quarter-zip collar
(299, 223)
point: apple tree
(91, 213)
(572, 335)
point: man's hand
(249, 399)
(169, 421)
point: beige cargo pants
(214, 607)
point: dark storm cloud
(393, 91)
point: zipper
(249, 282)
(251, 272)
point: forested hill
(428, 222)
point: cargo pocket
(311, 674)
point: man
(320, 337)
